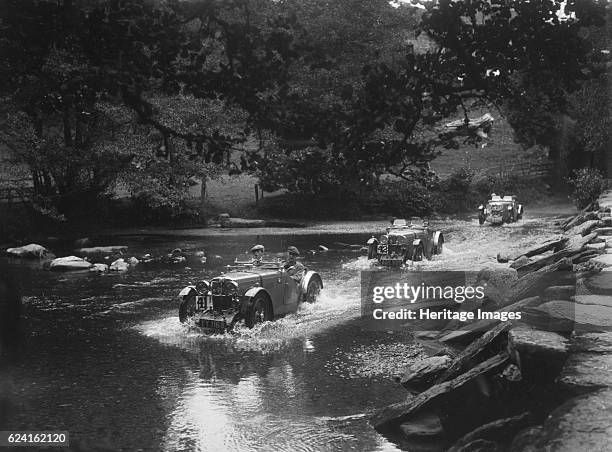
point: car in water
(500, 210)
(406, 241)
(249, 292)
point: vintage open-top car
(500, 209)
(405, 241)
(251, 292)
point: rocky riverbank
(540, 383)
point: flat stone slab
(582, 229)
(559, 292)
(596, 316)
(581, 424)
(601, 300)
(425, 370)
(603, 231)
(427, 424)
(603, 259)
(537, 342)
(600, 282)
(587, 371)
(596, 246)
(102, 249)
(69, 263)
(591, 342)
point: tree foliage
(111, 86)
(156, 93)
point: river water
(108, 360)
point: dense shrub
(401, 198)
(588, 184)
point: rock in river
(69, 263)
(119, 265)
(32, 250)
(102, 249)
(99, 268)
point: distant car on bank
(405, 241)
(500, 210)
(253, 292)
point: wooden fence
(530, 170)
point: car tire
(439, 247)
(312, 292)
(187, 307)
(417, 254)
(260, 311)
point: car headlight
(203, 286)
(383, 240)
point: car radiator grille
(222, 302)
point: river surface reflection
(108, 360)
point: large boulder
(32, 250)
(69, 263)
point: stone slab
(585, 371)
(581, 424)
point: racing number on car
(382, 249)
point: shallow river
(108, 360)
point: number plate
(212, 324)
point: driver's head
(292, 253)
(257, 252)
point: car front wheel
(259, 312)
(312, 292)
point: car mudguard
(187, 290)
(307, 278)
(249, 295)
(436, 241)
(372, 247)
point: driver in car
(257, 253)
(292, 266)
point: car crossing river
(108, 360)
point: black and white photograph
(306, 225)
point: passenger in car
(292, 266)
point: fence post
(256, 194)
